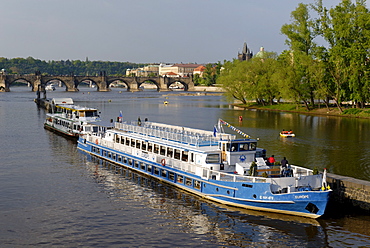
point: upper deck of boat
(171, 133)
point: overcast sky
(142, 31)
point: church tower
(246, 54)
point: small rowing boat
(287, 134)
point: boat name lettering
(263, 197)
(302, 197)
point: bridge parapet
(102, 81)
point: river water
(53, 195)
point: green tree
(300, 39)
(346, 29)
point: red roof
(200, 68)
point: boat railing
(189, 136)
(195, 169)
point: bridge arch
(177, 85)
(22, 80)
(51, 81)
(120, 81)
(141, 85)
(90, 82)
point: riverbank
(320, 110)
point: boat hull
(61, 132)
(248, 195)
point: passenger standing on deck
(284, 163)
(271, 160)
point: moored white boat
(213, 165)
(72, 120)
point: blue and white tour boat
(71, 120)
(212, 164)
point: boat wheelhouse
(213, 165)
(72, 120)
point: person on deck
(271, 160)
(284, 163)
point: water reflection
(230, 226)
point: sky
(143, 31)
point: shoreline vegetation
(318, 110)
(322, 110)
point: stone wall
(350, 191)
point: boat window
(197, 184)
(156, 148)
(177, 154)
(171, 176)
(243, 147)
(150, 147)
(109, 155)
(117, 138)
(184, 156)
(234, 147)
(163, 150)
(119, 158)
(142, 165)
(125, 160)
(188, 181)
(191, 157)
(213, 158)
(143, 145)
(95, 129)
(130, 161)
(87, 129)
(180, 179)
(114, 156)
(253, 146)
(149, 168)
(122, 140)
(164, 173)
(136, 164)
(138, 143)
(228, 147)
(156, 170)
(127, 142)
(133, 143)
(169, 152)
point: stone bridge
(38, 81)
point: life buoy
(163, 162)
(96, 141)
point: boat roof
(62, 101)
(75, 107)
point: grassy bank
(318, 110)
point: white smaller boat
(72, 120)
(50, 87)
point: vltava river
(53, 195)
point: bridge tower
(3, 85)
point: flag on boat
(214, 130)
(120, 116)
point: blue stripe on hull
(255, 196)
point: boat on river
(71, 120)
(212, 164)
(287, 134)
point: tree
(300, 35)
(346, 29)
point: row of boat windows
(149, 168)
(164, 150)
(238, 147)
(84, 113)
(66, 124)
